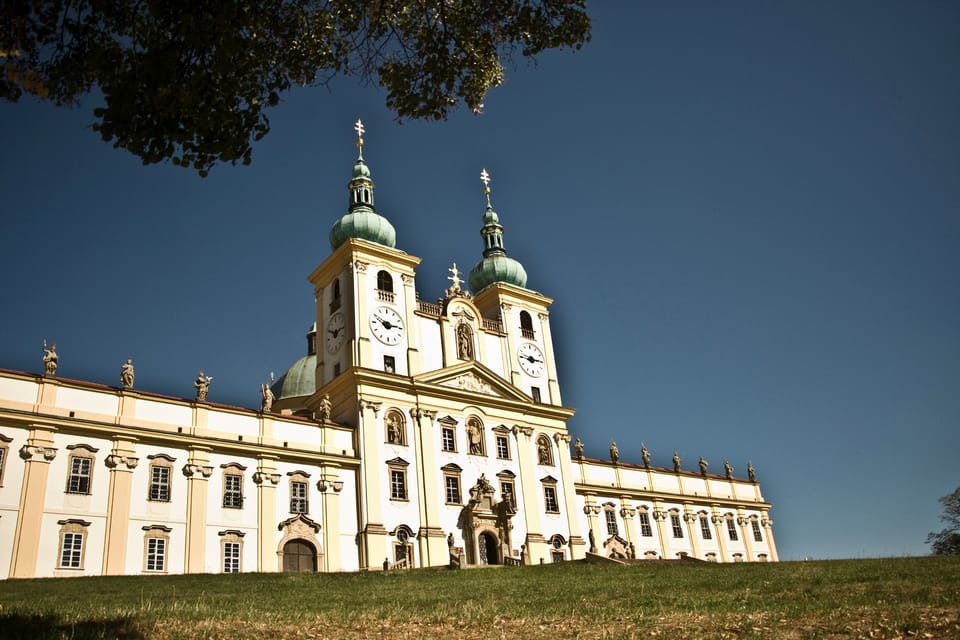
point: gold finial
(485, 179)
(358, 127)
(455, 277)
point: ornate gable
(472, 377)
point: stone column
(330, 487)
(767, 525)
(692, 521)
(660, 517)
(37, 452)
(591, 509)
(745, 533)
(414, 357)
(718, 525)
(121, 463)
(197, 472)
(373, 533)
(531, 489)
(575, 542)
(627, 513)
(430, 537)
(266, 478)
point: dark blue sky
(748, 214)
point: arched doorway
(299, 556)
(487, 549)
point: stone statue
(593, 542)
(543, 451)
(645, 454)
(676, 462)
(450, 540)
(578, 448)
(394, 434)
(751, 472)
(475, 438)
(464, 342)
(267, 394)
(202, 385)
(614, 452)
(50, 359)
(727, 469)
(703, 466)
(633, 551)
(325, 407)
(126, 374)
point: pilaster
(374, 535)
(37, 452)
(628, 513)
(552, 380)
(691, 519)
(660, 517)
(414, 340)
(530, 486)
(121, 463)
(330, 487)
(431, 539)
(767, 525)
(745, 533)
(718, 521)
(266, 478)
(569, 495)
(591, 509)
(198, 471)
(362, 352)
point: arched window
(544, 451)
(526, 325)
(384, 281)
(396, 427)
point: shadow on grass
(17, 627)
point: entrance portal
(487, 550)
(299, 556)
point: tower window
(384, 281)
(526, 325)
(535, 394)
(389, 364)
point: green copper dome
(496, 265)
(301, 378)
(362, 220)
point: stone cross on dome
(358, 127)
(485, 179)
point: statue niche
(486, 525)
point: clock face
(386, 325)
(531, 359)
(335, 333)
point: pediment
(472, 377)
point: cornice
(353, 249)
(605, 491)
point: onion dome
(362, 220)
(301, 378)
(496, 265)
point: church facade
(411, 434)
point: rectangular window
(557, 556)
(447, 436)
(156, 554)
(159, 483)
(506, 493)
(298, 497)
(79, 481)
(231, 557)
(398, 484)
(336, 369)
(550, 499)
(611, 516)
(71, 551)
(705, 528)
(233, 491)
(535, 393)
(757, 534)
(645, 529)
(453, 489)
(389, 364)
(503, 448)
(732, 529)
(677, 527)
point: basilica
(411, 434)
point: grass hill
(883, 598)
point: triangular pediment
(472, 377)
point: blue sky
(748, 214)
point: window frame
(676, 524)
(503, 452)
(610, 518)
(228, 540)
(80, 453)
(757, 532)
(448, 445)
(298, 478)
(389, 364)
(397, 477)
(384, 281)
(156, 560)
(550, 495)
(75, 529)
(732, 530)
(705, 531)
(4, 455)
(646, 529)
(160, 461)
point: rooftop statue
(202, 385)
(645, 454)
(50, 359)
(126, 374)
